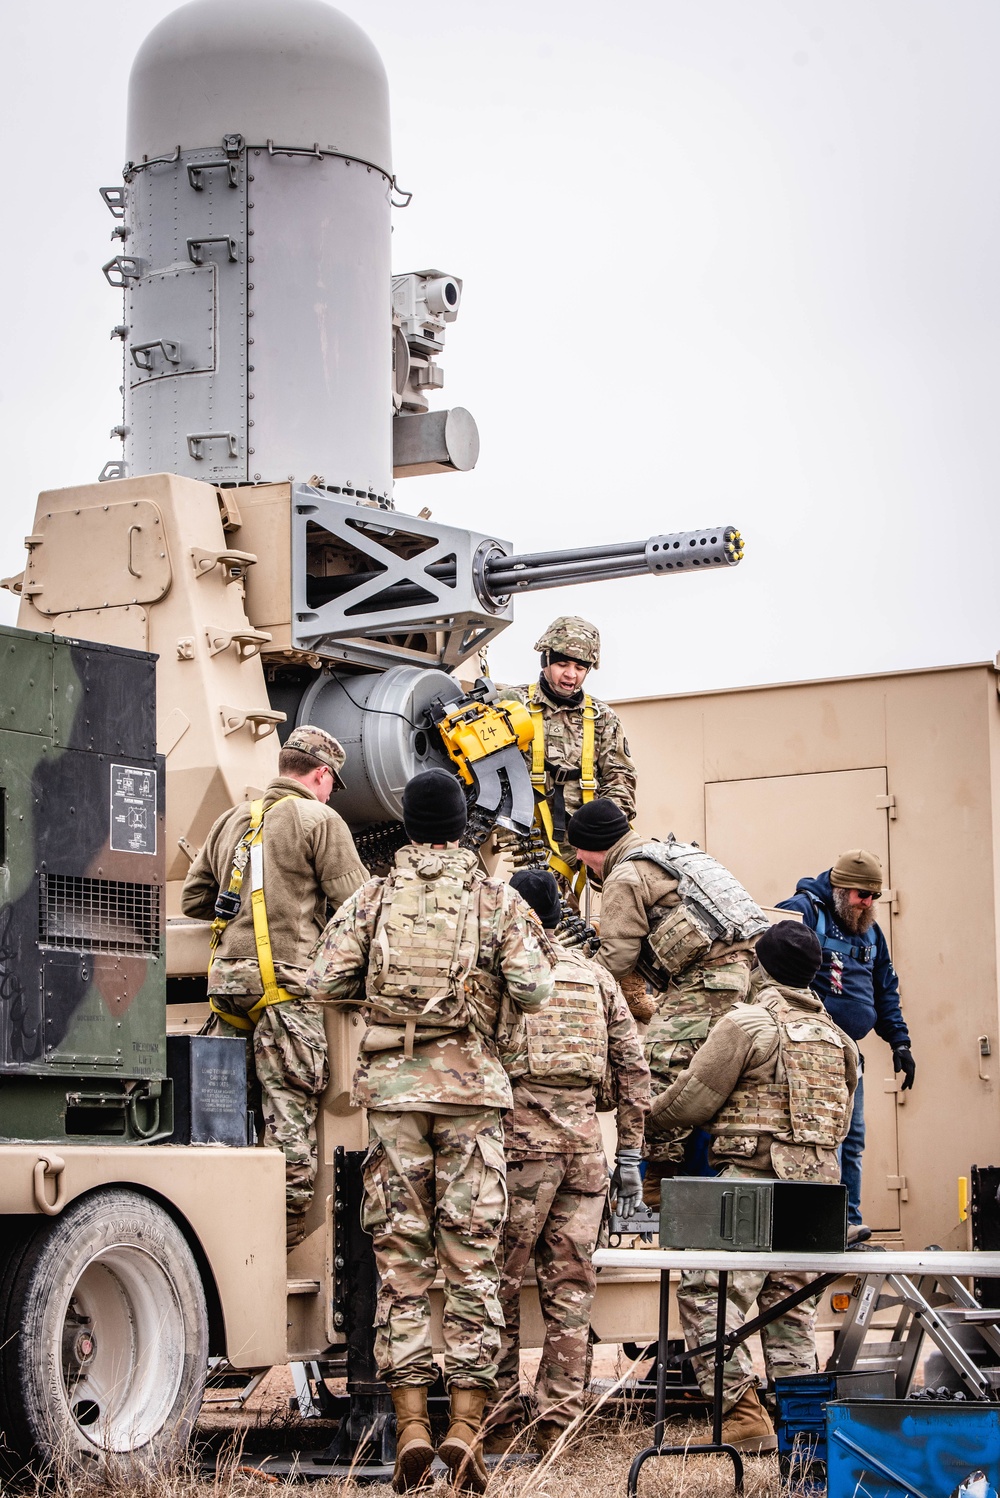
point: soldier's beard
(855, 919)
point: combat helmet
(573, 636)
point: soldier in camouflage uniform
(557, 1176)
(564, 715)
(636, 895)
(431, 953)
(309, 861)
(773, 1084)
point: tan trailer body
(775, 782)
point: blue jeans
(851, 1151)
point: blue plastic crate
(802, 1399)
(888, 1448)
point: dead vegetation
(592, 1462)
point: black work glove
(902, 1060)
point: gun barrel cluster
(681, 551)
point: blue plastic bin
(888, 1448)
(802, 1399)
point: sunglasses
(869, 894)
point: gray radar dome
(256, 215)
(295, 72)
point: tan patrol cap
(857, 869)
(319, 745)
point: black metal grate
(98, 915)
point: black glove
(903, 1061)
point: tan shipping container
(775, 781)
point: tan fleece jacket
(742, 1049)
(310, 861)
(634, 896)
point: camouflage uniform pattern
(458, 1067)
(286, 1053)
(557, 1180)
(435, 1198)
(556, 1207)
(435, 1189)
(614, 768)
(789, 1343)
(309, 860)
(686, 1013)
(806, 1113)
(743, 1057)
(635, 895)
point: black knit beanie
(539, 888)
(791, 953)
(596, 826)
(434, 809)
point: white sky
(724, 261)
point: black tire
(103, 1337)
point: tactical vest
(423, 950)
(713, 907)
(566, 1041)
(808, 1100)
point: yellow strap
(588, 781)
(537, 743)
(262, 937)
(543, 812)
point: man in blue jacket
(857, 982)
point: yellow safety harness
(588, 781)
(251, 848)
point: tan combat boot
(414, 1452)
(499, 1438)
(547, 1433)
(462, 1448)
(748, 1426)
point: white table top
(854, 1261)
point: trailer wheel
(103, 1337)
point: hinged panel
(125, 551)
(173, 328)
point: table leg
(720, 1355)
(716, 1446)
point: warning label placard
(133, 809)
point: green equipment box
(779, 1216)
(82, 964)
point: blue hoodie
(859, 988)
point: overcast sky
(724, 261)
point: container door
(772, 832)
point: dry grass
(591, 1462)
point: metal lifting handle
(142, 353)
(125, 267)
(195, 170)
(195, 247)
(114, 197)
(195, 439)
